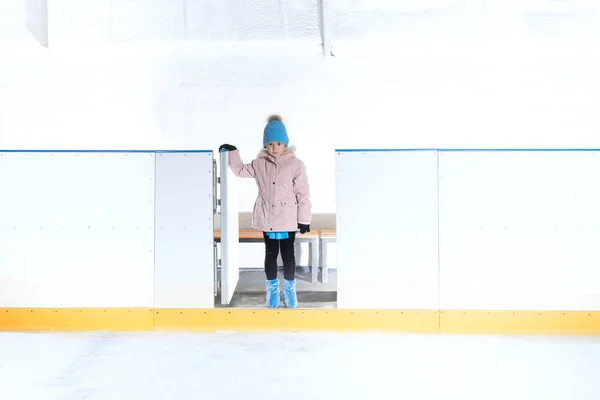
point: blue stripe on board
(463, 150)
(375, 150)
(105, 151)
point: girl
(282, 207)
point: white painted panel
(12, 15)
(76, 229)
(230, 265)
(245, 20)
(184, 230)
(23, 22)
(136, 20)
(36, 20)
(80, 22)
(387, 229)
(520, 230)
(388, 19)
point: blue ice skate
(289, 294)
(273, 293)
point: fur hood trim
(287, 153)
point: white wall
(181, 74)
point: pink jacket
(283, 192)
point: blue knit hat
(275, 131)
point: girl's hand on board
(227, 147)
(303, 228)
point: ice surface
(296, 366)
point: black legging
(272, 247)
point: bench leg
(325, 273)
(314, 262)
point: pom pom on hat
(275, 131)
(274, 117)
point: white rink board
(520, 230)
(184, 230)
(76, 229)
(387, 249)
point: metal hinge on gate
(216, 210)
(216, 181)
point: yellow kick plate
(520, 322)
(298, 320)
(76, 319)
(301, 320)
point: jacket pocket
(289, 203)
(259, 213)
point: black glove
(303, 228)
(227, 147)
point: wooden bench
(327, 236)
(312, 238)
